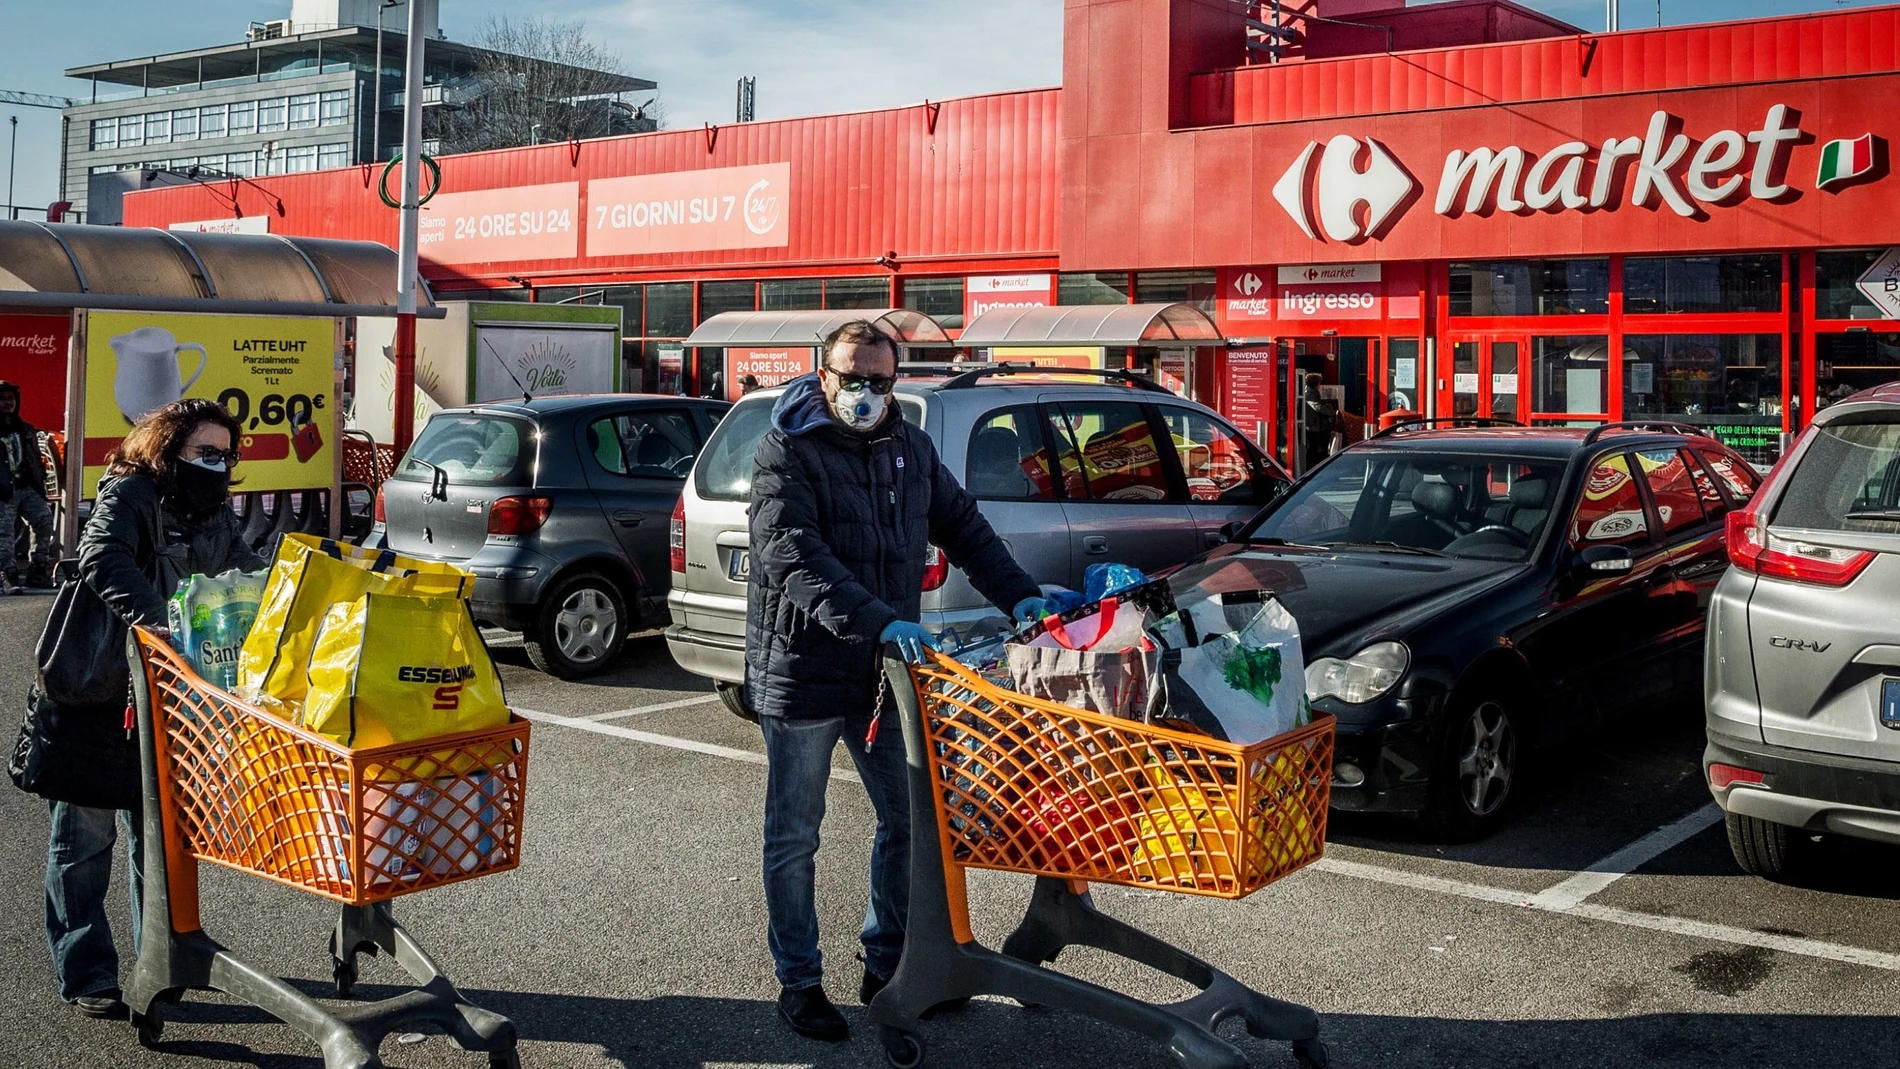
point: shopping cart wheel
(345, 974)
(904, 1050)
(149, 1026)
(505, 1060)
(1311, 1054)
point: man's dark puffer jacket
(840, 524)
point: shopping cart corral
(229, 783)
(1003, 781)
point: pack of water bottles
(210, 616)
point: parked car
(1803, 675)
(1069, 473)
(1467, 591)
(559, 505)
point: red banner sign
(690, 211)
(490, 225)
(767, 367)
(984, 292)
(1250, 388)
(33, 357)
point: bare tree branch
(538, 80)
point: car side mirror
(1596, 562)
(1228, 530)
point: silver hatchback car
(1069, 473)
(1803, 658)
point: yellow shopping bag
(387, 669)
(310, 575)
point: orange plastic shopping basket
(1033, 786)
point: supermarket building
(1466, 208)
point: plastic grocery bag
(210, 617)
(1239, 683)
(1103, 580)
(387, 668)
(309, 576)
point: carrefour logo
(1354, 189)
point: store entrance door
(1333, 393)
(1487, 377)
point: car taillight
(1721, 776)
(518, 515)
(936, 568)
(676, 536)
(377, 509)
(1753, 548)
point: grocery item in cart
(1231, 665)
(309, 576)
(386, 669)
(1098, 658)
(210, 615)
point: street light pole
(376, 121)
(406, 280)
(13, 145)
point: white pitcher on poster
(148, 371)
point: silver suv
(1803, 663)
(1070, 474)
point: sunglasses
(878, 384)
(228, 457)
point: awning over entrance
(809, 328)
(1093, 324)
(66, 265)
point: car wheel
(579, 627)
(1478, 771)
(733, 697)
(1766, 849)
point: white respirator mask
(858, 408)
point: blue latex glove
(1029, 610)
(1062, 599)
(911, 639)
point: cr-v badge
(1783, 642)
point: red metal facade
(951, 186)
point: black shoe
(103, 1006)
(873, 983)
(809, 1013)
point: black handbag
(80, 650)
(80, 754)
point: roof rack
(922, 368)
(1127, 378)
(1664, 426)
(1455, 421)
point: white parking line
(654, 738)
(640, 710)
(1627, 860)
(1569, 903)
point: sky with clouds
(809, 56)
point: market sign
(1881, 283)
(1246, 295)
(690, 211)
(33, 357)
(769, 367)
(273, 373)
(245, 224)
(982, 293)
(1330, 291)
(494, 225)
(1249, 392)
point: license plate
(1890, 703)
(739, 566)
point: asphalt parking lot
(1605, 927)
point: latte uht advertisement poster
(273, 373)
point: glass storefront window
(1571, 374)
(857, 293)
(1530, 288)
(1109, 287)
(1187, 287)
(628, 298)
(670, 309)
(1835, 294)
(939, 298)
(717, 297)
(1728, 383)
(791, 294)
(1401, 370)
(1845, 364)
(1659, 284)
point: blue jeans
(78, 871)
(798, 767)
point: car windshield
(724, 471)
(1450, 504)
(472, 450)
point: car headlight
(1359, 678)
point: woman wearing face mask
(162, 513)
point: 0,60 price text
(272, 409)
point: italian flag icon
(1845, 160)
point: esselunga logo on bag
(448, 694)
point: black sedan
(1466, 592)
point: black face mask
(197, 489)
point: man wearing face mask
(847, 498)
(22, 494)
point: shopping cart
(1002, 781)
(228, 783)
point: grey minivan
(1070, 473)
(559, 505)
(1803, 663)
